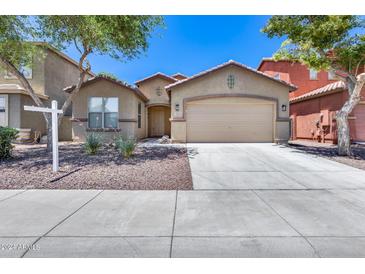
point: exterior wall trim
(119, 120)
(158, 105)
(127, 120)
(225, 95)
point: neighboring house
(314, 104)
(49, 73)
(227, 103)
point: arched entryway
(159, 120)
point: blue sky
(190, 44)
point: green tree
(326, 43)
(120, 37)
(17, 50)
(108, 75)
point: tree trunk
(83, 73)
(343, 128)
(28, 88)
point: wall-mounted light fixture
(177, 107)
(283, 107)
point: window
(139, 120)
(103, 112)
(331, 75)
(159, 91)
(313, 74)
(26, 70)
(3, 111)
(230, 81)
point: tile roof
(179, 74)
(229, 63)
(271, 59)
(120, 83)
(18, 89)
(328, 89)
(156, 75)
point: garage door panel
(229, 122)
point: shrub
(93, 142)
(125, 147)
(7, 135)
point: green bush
(92, 143)
(125, 147)
(7, 135)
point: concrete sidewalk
(243, 223)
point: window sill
(15, 78)
(103, 130)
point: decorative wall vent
(159, 91)
(230, 81)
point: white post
(55, 136)
(54, 111)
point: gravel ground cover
(329, 151)
(160, 167)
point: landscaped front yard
(329, 151)
(155, 167)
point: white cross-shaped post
(54, 111)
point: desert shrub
(92, 143)
(7, 135)
(125, 146)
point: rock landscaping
(329, 151)
(149, 168)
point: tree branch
(25, 84)
(83, 73)
(358, 65)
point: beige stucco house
(227, 103)
(50, 72)
(230, 103)
(109, 107)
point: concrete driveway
(250, 200)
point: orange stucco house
(314, 104)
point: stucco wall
(296, 74)
(149, 90)
(306, 113)
(37, 80)
(30, 119)
(215, 83)
(128, 103)
(59, 73)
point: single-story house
(110, 107)
(227, 103)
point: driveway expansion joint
(63, 220)
(16, 194)
(286, 221)
(173, 223)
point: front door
(3, 111)
(157, 126)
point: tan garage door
(244, 120)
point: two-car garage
(230, 120)
(230, 103)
